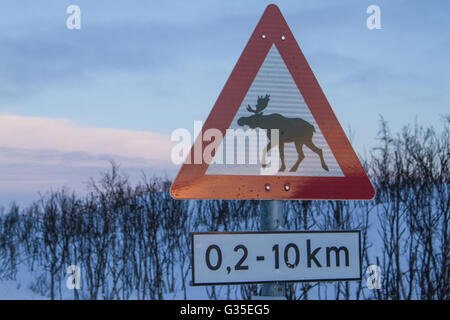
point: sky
(72, 100)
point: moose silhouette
(294, 130)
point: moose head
(253, 121)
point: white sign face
(274, 78)
(249, 257)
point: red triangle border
(191, 181)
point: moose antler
(249, 109)
(260, 105)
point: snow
(27, 286)
(15, 290)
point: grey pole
(272, 216)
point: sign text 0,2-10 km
(246, 257)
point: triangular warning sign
(300, 150)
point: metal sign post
(272, 217)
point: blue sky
(70, 100)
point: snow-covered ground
(33, 284)
(15, 290)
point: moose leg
(281, 149)
(319, 152)
(301, 156)
(265, 150)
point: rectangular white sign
(249, 257)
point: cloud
(37, 154)
(61, 140)
(46, 54)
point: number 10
(276, 249)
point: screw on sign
(272, 89)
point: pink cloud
(38, 154)
(64, 136)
